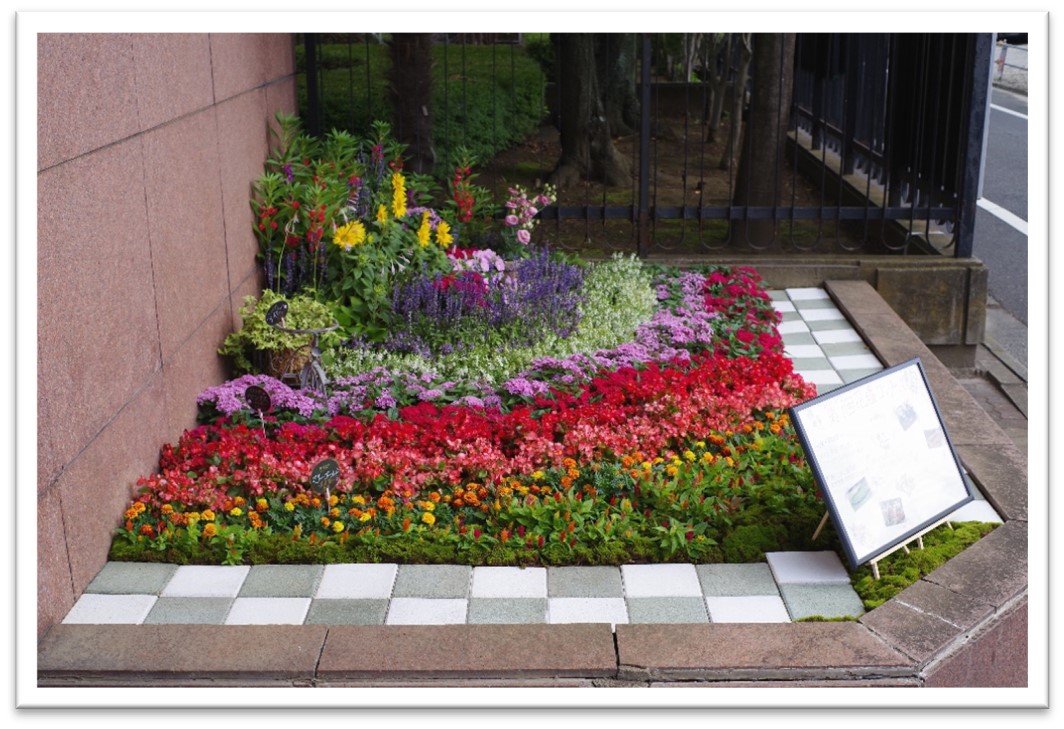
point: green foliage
(485, 98)
(257, 336)
(899, 570)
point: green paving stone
(845, 348)
(826, 601)
(822, 389)
(507, 610)
(798, 338)
(432, 580)
(814, 304)
(849, 376)
(809, 364)
(131, 578)
(790, 316)
(667, 610)
(347, 612)
(778, 295)
(584, 582)
(189, 611)
(281, 580)
(736, 580)
(819, 326)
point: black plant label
(276, 313)
(325, 475)
(257, 399)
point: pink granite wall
(147, 146)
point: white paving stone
(792, 327)
(268, 611)
(978, 510)
(660, 580)
(610, 610)
(807, 294)
(836, 336)
(855, 362)
(821, 377)
(827, 314)
(802, 350)
(206, 581)
(97, 609)
(509, 582)
(783, 307)
(823, 568)
(357, 581)
(747, 609)
(426, 611)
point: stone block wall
(147, 148)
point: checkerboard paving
(826, 351)
(390, 594)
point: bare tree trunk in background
(717, 45)
(588, 151)
(758, 182)
(735, 122)
(411, 93)
(617, 56)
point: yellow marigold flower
(398, 195)
(350, 234)
(261, 505)
(167, 508)
(700, 443)
(207, 515)
(193, 517)
(235, 511)
(730, 461)
(366, 516)
(707, 457)
(334, 512)
(210, 530)
(289, 506)
(659, 460)
(428, 518)
(647, 465)
(424, 232)
(239, 501)
(443, 234)
(333, 499)
(537, 475)
(428, 506)
(338, 526)
(671, 470)
(382, 214)
(358, 500)
(689, 455)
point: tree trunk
(758, 182)
(617, 58)
(735, 123)
(411, 93)
(588, 151)
(718, 80)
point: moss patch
(900, 570)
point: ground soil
(685, 171)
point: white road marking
(995, 107)
(1001, 213)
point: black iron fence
(712, 142)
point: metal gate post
(979, 90)
(310, 45)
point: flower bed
(493, 401)
(672, 445)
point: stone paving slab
(218, 653)
(667, 610)
(800, 651)
(822, 601)
(281, 580)
(736, 579)
(807, 567)
(189, 610)
(747, 609)
(357, 581)
(464, 651)
(660, 580)
(347, 612)
(505, 610)
(584, 582)
(125, 578)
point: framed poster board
(882, 459)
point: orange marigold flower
(627, 462)
(434, 497)
(207, 515)
(325, 521)
(210, 530)
(239, 501)
(261, 505)
(569, 463)
(167, 508)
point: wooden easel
(918, 538)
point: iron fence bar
(313, 74)
(643, 243)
